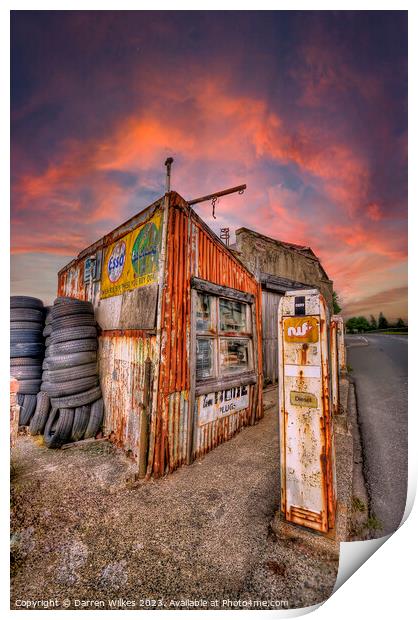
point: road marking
(357, 343)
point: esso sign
(116, 261)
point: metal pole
(167, 164)
(239, 188)
(144, 420)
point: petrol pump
(339, 321)
(335, 366)
(306, 433)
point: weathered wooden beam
(209, 386)
(222, 291)
(82, 442)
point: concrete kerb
(344, 455)
(359, 517)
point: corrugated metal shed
(157, 321)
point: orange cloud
(218, 139)
(374, 212)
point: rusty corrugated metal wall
(122, 358)
(71, 281)
(193, 250)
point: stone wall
(265, 255)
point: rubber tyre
(71, 307)
(48, 330)
(74, 346)
(96, 418)
(26, 372)
(18, 336)
(70, 388)
(29, 325)
(58, 362)
(73, 333)
(27, 349)
(81, 421)
(63, 299)
(20, 399)
(68, 374)
(27, 314)
(21, 301)
(40, 417)
(58, 427)
(29, 386)
(75, 320)
(77, 400)
(27, 410)
(26, 361)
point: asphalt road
(380, 366)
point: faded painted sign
(303, 399)
(132, 261)
(220, 404)
(301, 329)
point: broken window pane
(203, 312)
(234, 355)
(204, 358)
(233, 316)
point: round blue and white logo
(116, 261)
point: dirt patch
(82, 532)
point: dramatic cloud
(315, 125)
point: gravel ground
(83, 535)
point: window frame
(214, 333)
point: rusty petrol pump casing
(336, 362)
(306, 435)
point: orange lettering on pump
(301, 329)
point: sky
(309, 109)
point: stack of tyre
(26, 351)
(43, 405)
(70, 377)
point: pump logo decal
(116, 261)
(301, 329)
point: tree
(400, 323)
(373, 322)
(363, 324)
(351, 325)
(336, 303)
(357, 324)
(382, 323)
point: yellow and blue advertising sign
(132, 261)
